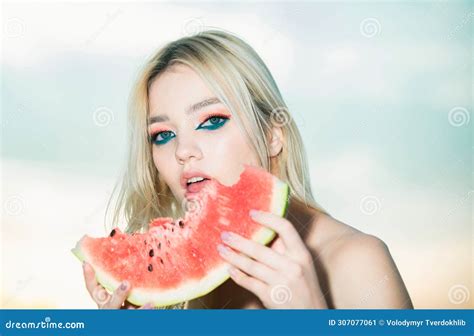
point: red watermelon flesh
(177, 260)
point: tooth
(195, 179)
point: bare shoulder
(361, 272)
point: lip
(185, 176)
(195, 189)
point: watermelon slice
(177, 260)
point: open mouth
(196, 186)
(197, 181)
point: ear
(275, 141)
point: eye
(162, 137)
(214, 122)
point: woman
(207, 104)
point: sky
(381, 93)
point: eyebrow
(189, 110)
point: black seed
(112, 233)
(172, 230)
(150, 268)
(161, 260)
(151, 253)
(159, 246)
(181, 224)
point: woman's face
(192, 131)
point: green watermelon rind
(194, 289)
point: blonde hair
(242, 82)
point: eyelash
(154, 136)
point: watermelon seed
(112, 233)
(161, 260)
(159, 246)
(150, 267)
(144, 242)
(172, 230)
(151, 253)
(180, 223)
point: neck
(301, 215)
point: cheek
(241, 149)
(230, 151)
(165, 164)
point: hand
(282, 276)
(102, 298)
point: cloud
(47, 209)
(345, 179)
(426, 227)
(41, 32)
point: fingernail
(222, 249)
(124, 286)
(226, 236)
(231, 271)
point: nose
(187, 149)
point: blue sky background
(382, 93)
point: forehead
(176, 89)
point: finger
(96, 291)
(128, 305)
(278, 246)
(283, 227)
(254, 285)
(89, 277)
(148, 305)
(119, 296)
(256, 251)
(249, 266)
